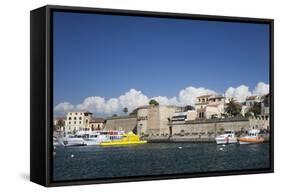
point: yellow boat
(127, 139)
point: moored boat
(72, 140)
(252, 137)
(127, 139)
(96, 137)
(227, 138)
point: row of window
(74, 122)
(76, 113)
(75, 118)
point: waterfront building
(251, 100)
(265, 105)
(77, 120)
(209, 106)
(96, 123)
(149, 120)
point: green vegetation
(153, 102)
(125, 110)
(188, 108)
(256, 108)
(233, 108)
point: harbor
(164, 139)
(155, 159)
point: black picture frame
(41, 101)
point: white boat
(55, 142)
(72, 140)
(252, 137)
(227, 138)
(96, 137)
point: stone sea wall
(126, 123)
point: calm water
(90, 162)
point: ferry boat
(227, 138)
(252, 137)
(96, 137)
(127, 139)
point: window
(69, 122)
(74, 122)
(74, 118)
(79, 122)
(80, 118)
(69, 118)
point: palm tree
(233, 108)
(60, 124)
(256, 108)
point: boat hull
(226, 141)
(122, 143)
(244, 141)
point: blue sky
(102, 55)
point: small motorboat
(227, 137)
(252, 137)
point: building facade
(251, 100)
(209, 106)
(77, 120)
(96, 124)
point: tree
(256, 108)
(60, 124)
(153, 102)
(249, 114)
(189, 108)
(233, 108)
(125, 110)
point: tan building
(76, 120)
(149, 121)
(208, 106)
(251, 100)
(96, 124)
(154, 120)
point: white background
(14, 95)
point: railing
(198, 121)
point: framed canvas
(123, 95)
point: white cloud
(239, 94)
(163, 100)
(64, 107)
(188, 95)
(261, 89)
(134, 98)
